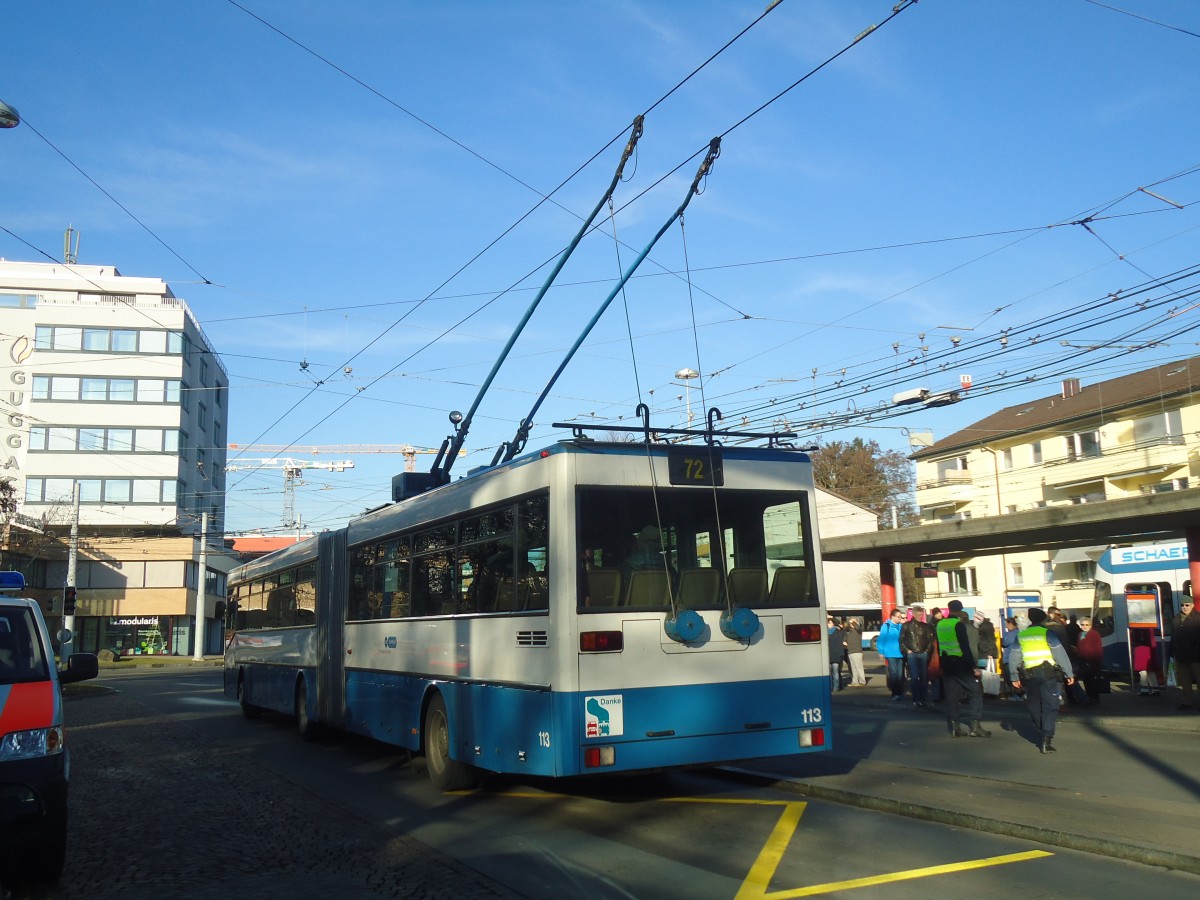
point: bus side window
(1102, 609)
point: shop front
(129, 636)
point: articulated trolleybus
(593, 607)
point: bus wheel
(304, 723)
(446, 774)
(249, 710)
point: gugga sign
(12, 405)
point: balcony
(947, 479)
(1126, 461)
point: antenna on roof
(70, 246)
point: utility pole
(69, 592)
(202, 582)
(899, 576)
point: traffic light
(69, 600)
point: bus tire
(249, 710)
(306, 727)
(446, 774)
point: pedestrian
(987, 636)
(916, 643)
(1041, 661)
(1088, 659)
(960, 672)
(1057, 622)
(1006, 647)
(1074, 631)
(843, 657)
(852, 640)
(888, 644)
(835, 654)
(1145, 661)
(936, 692)
(1186, 647)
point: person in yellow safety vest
(1041, 662)
(960, 674)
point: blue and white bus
(1138, 587)
(509, 621)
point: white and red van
(34, 764)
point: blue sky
(898, 199)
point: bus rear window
(704, 549)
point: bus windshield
(641, 547)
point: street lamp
(9, 117)
(686, 376)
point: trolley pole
(201, 583)
(64, 652)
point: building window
(151, 390)
(1090, 497)
(1035, 453)
(1175, 484)
(1016, 576)
(1158, 429)
(1006, 460)
(202, 416)
(102, 490)
(108, 440)
(94, 389)
(1083, 445)
(106, 340)
(1048, 571)
(948, 469)
(960, 580)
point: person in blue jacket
(888, 644)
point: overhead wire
(543, 197)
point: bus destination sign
(696, 466)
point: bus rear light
(812, 737)
(802, 634)
(595, 757)
(601, 642)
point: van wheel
(249, 710)
(304, 724)
(446, 774)
(46, 864)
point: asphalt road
(175, 795)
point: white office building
(111, 387)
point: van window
(22, 656)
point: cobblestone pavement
(157, 812)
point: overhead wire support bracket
(652, 435)
(510, 449)
(453, 444)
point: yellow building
(1136, 434)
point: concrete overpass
(1167, 516)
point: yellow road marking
(763, 870)
(760, 875)
(764, 867)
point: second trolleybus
(590, 607)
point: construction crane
(408, 450)
(293, 474)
